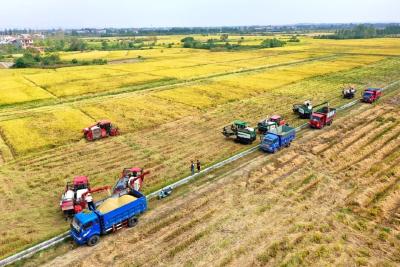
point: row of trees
(222, 43)
(79, 44)
(362, 32)
(31, 59)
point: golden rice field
(170, 107)
(44, 130)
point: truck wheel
(132, 221)
(93, 240)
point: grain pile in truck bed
(114, 203)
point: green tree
(269, 43)
(224, 37)
(77, 45)
(187, 39)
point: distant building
(22, 40)
(25, 41)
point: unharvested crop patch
(44, 130)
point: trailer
(323, 116)
(241, 132)
(370, 95)
(278, 138)
(114, 213)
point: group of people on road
(193, 166)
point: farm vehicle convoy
(126, 202)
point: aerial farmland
(332, 197)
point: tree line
(33, 59)
(223, 43)
(362, 31)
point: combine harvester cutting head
(101, 129)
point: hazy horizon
(48, 14)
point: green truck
(240, 131)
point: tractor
(101, 129)
(349, 92)
(240, 131)
(73, 199)
(270, 123)
(130, 179)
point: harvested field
(329, 207)
(166, 122)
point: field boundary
(60, 238)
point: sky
(43, 14)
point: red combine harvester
(69, 197)
(73, 199)
(131, 178)
(101, 129)
(323, 116)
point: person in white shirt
(89, 201)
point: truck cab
(85, 228)
(371, 94)
(270, 143)
(323, 116)
(317, 120)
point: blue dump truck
(277, 138)
(112, 214)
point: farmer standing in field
(198, 165)
(192, 167)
